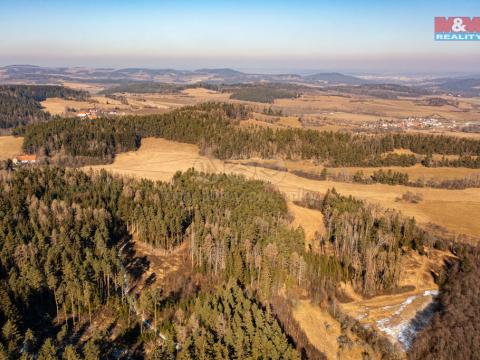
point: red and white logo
(457, 28)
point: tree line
(213, 127)
(392, 177)
(381, 176)
(20, 104)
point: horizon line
(255, 70)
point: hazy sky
(272, 36)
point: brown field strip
(322, 331)
(310, 220)
(355, 108)
(414, 172)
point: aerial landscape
(239, 180)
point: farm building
(25, 159)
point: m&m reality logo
(460, 28)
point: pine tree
(48, 351)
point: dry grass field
(255, 122)
(355, 108)
(322, 331)
(91, 88)
(310, 220)
(290, 121)
(272, 121)
(414, 172)
(138, 104)
(10, 146)
(57, 106)
(201, 94)
(158, 159)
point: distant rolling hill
(109, 77)
(461, 86)
(336, 78)
(48, 75)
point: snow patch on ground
(430, 293)
(404, 331)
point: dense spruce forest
(20, 104)
(60, 258)
(61, 262)
(213, 128)
(264, 93)
(228, 325)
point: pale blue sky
(269, 35)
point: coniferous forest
(20, 104)
(212, 127)
(62, 231)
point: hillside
(20, 104)
(336, 78)
(108, 76)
